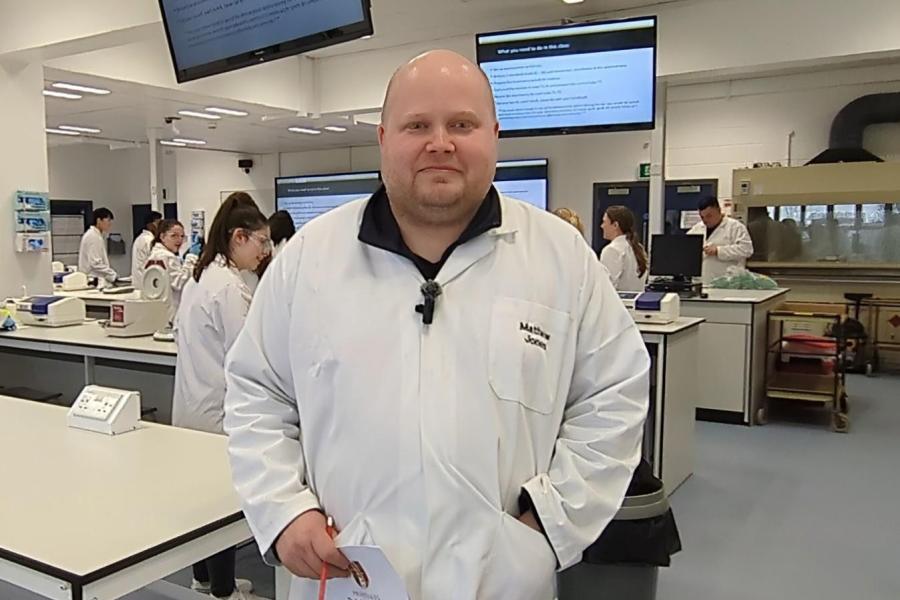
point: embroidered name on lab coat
(534, 335)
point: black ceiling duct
(845, 143)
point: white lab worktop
(732, 351)
(90, 340)
(739, 296)
(86, 515)
(677, 326)
(94, 297)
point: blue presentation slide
(532, 191)
(204, 31)
(304, 209)
(574, 90)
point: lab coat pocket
(355, 533)
(521, 564)
(527, 348)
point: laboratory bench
(669, 431)
(65, 359)
(731, 357)
(89, 516)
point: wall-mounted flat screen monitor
(525, 180)
(207, 37)
(308, 196)
(581, 78)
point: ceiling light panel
(66, 95)
(305, 130)
(226, 111)
(198, 114)
(79, 129)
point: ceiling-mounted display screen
(524, 180)
(580, 78)
(207, 37)
(308, 196)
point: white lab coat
(421, 438)
(179, 271)
(140, 252)
(211, 315)
(92, 257)
(619, 259)
(735, 247)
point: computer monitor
(305, 197)
(678, 256)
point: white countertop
(89, 334)
(678, 326)
(98, 298)
(80, 501)
(739, 296)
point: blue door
(634, 195)
(682, 197)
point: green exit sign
(644, 170)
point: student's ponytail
(238, 211)
(622, 216)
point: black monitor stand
(682, 285)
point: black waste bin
(623, 564)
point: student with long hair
(167, 242)
(214, 304)
(624, 257)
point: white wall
(115, 179)
(696, 38)
(64, 21)
(712, 129)
(715, 128)
(24, 167)
(203, 176)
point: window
(845, 214)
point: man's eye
(416, 125)
(463, 125)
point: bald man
(446, 372)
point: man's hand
(529, 519)
(710, 250)
(304, 545)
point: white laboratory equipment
(145, 316)
(134, 318)
(105, 410)
(659, 308)
(50, 311)
(72, 282)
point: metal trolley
(805, 361)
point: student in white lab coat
(624, 257)
(726, 241)
(446, 371)
(167, 242)
(92, 257)
(143, 243)
(214, 304)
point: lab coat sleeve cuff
(268, 533)
(546, 505)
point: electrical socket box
(105, 410)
